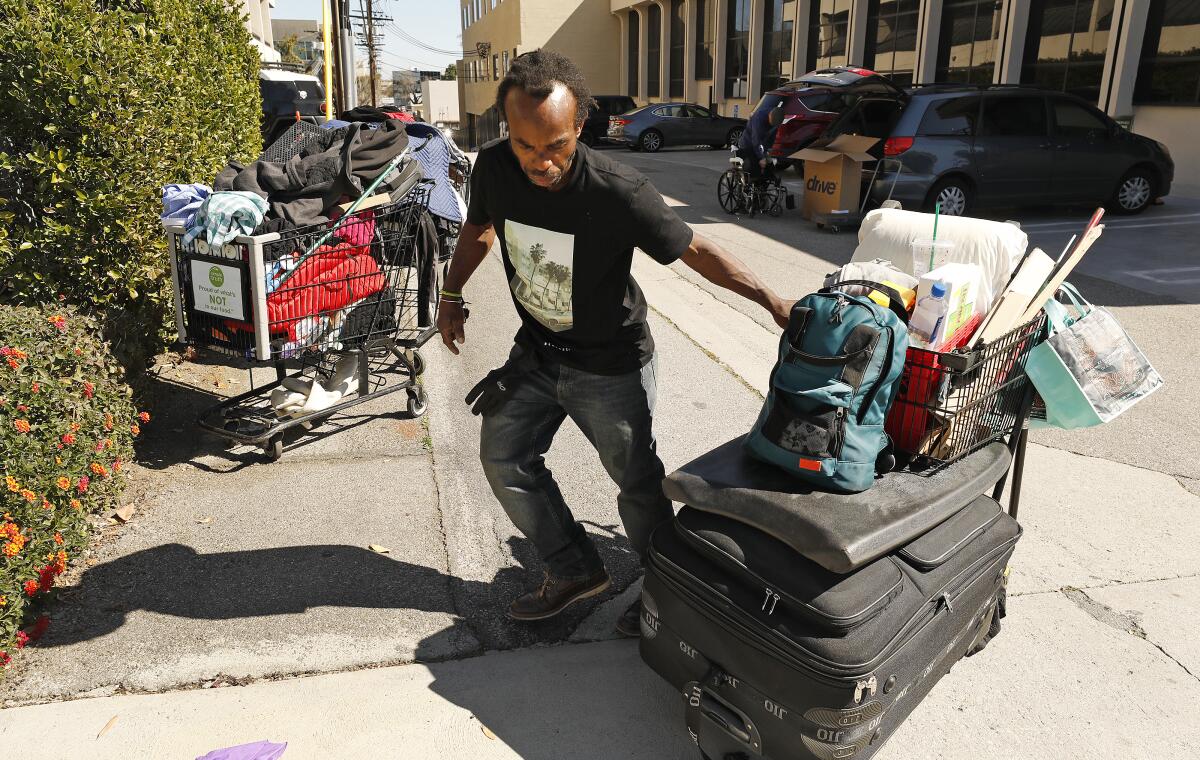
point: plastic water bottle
(928, 316)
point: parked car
(967, 147)
(286, 93)
(657, 125)
(595, 129)
(812, 102)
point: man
(568, 219)
(757, 138)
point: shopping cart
(340, 310)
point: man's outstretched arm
(720, 267)
(474, 242)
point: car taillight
(894, 146)
(617, 121)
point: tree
(451, 72)
(560, 274)
(287, 49)
(537, 252)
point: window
(776, 45)
(674, 112)
(495, 66)
(737, 49)
(677, 45)
(634, 57)
(892, 39)
(828, 29)
(653, 51)
(505, 54)
(1073, 120)
(1170, 68)
(1066, 44)
(705, 37)
(1020, 116)
(955, 117)
(699, 112)
(968, 41)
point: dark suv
(812, 102)
(998, 145)
(595, 129)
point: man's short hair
(537, 72)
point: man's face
(542, 133)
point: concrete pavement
(236, 572)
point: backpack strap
(895, 302)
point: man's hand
(452, 317)
(781, 310)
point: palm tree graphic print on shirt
(543, 263)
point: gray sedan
(652, 127)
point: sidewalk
(237, 572)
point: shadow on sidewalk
(176, 580)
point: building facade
(1137, 60)
(258, 22)
(497, 31)
(301, 38)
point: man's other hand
(781, 310)
(451, 320)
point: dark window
(653, 51)
(705, 37)
(892, 39)
(737, 49)
(674, 112)
(776, 46)
(1066, 44)
(1019, 116)
(968, 41)
(495, 67)
(1073, 120)
(634, 56)
(677, 45)
(828, 30)
(953, 116)
(1170, 68)
(698, 112)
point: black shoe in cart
(340, 310)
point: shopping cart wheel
(418, 363)
(418, 402)
(274, 448)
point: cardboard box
(833, 174)
(962, 295)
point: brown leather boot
(555, 595)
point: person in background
(568, 219)
(754, 145)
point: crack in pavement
(1118, 621)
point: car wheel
(1134, 193)
(735, 135)
(651, 141)
(954, 193)
(587, 138)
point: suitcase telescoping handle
(895, 302)
(705, 709)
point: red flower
(144, 416)
(83, 484)
(13, 363)
(22, 639)
(68, 439)
(58, 321)
(39, 628)
(36, 387)
(4, 659)
(89, 390)
(31, 588)
(22, 408)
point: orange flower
(135, 430)
(12, 483)
(117, 465)
(13, 363)
(108, 422)
(36, 387)
(144, 416)
(46, 503)
(99, 469)
(63, 482)
(31, 588)
(74, 429)
(58, 539)
(18, 353)
(11, 549)
(22, 426)
(29, 495)
(76, 504)
(3, 600)
(58, 321)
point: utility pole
(371, 42)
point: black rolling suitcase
(783, 657)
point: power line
(424, 46)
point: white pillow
(997, 247)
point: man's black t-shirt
(568, 253)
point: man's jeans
(615, 413)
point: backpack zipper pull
(836, 317)
(868, 685)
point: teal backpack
(840, 361)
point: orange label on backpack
(810, 464)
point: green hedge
(102, 102)
(67, 426)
